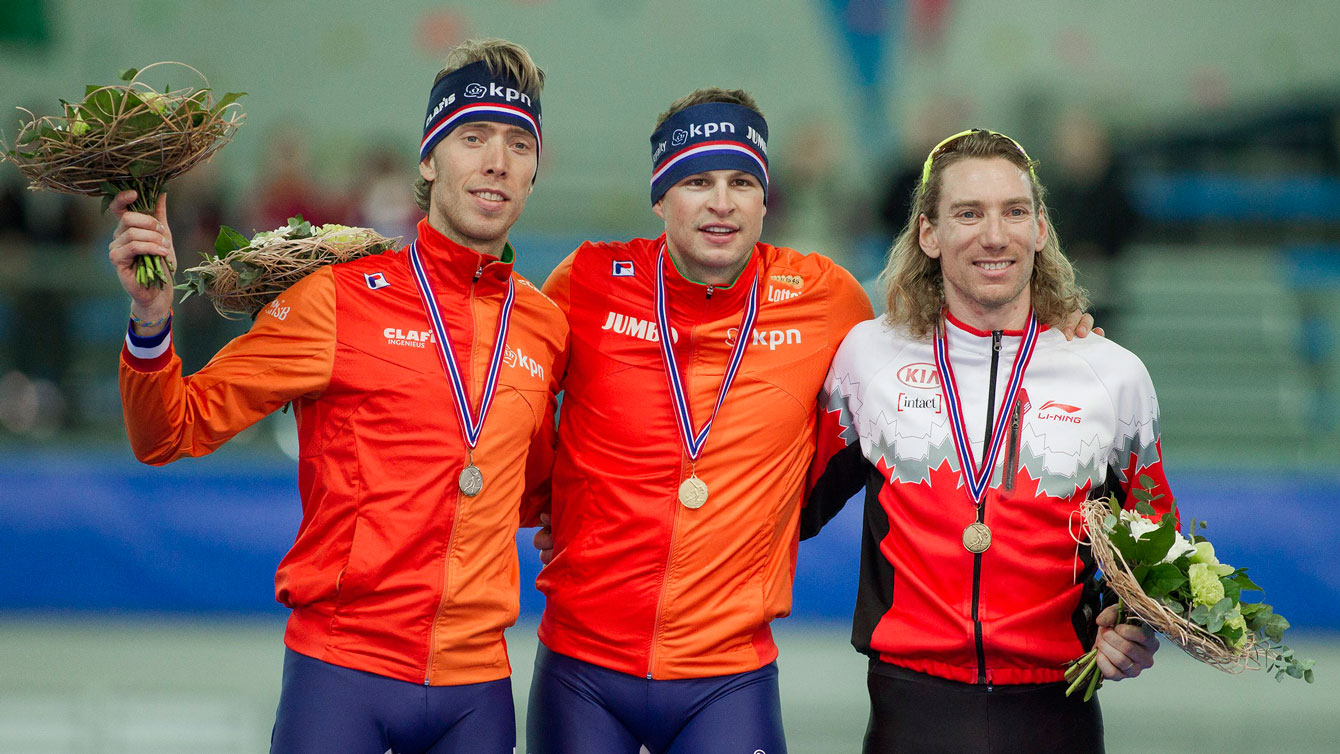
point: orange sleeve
(558, 287)
(850, 306)
(287, 354)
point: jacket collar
(702, 302)
(452, 266)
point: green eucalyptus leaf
(1199, 614)
(1142, 494)
(1275, 627)
(1146, 481)
(1144, 508)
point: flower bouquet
(1178, 587)
(125, 136)
(246, 274)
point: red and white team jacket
(394, 571)
(639, 583)
(1086, 422)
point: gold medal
(471, 480)
(976, 538)
(692, 492)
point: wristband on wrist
(150, 323)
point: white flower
(1138, 524)
(1180, 546)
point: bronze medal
(976, 538)
(692, 492)
(471, 480)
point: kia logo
(475, 90)
(922, 376)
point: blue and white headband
(710, 136)
(473, 93)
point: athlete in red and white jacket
(977, 431)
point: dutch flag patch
(376, 280)
(622, 269)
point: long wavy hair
(913, 282)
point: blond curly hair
(913, 282)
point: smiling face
(986, 235)
(481, 174)
(712, 222)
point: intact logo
(781, 294)
(795, 281)
(277, 309)
(921, 375)
(411, 338)
(475, 90)
(1060, 412)
(376, 280)
(679, 137)
(769, 338)
(622, 268)
(518, 359)
(634, 327)
(920, 402)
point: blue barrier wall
(100, 533)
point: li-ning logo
(919, 403)
(1066, 412)
(411, 338)
(921, 375)
(475, 91)
(445, 103)
(679, 137)
(516, 358)
(277, 309)
(637, 328)
(769, 338)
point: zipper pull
(995, 340)
(709, 291)
(479, 273)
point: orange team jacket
(394, 571)
(639, 583)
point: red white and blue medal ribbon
(693, 492)
(979, 477)
(471, 480)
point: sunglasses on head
(948, 146)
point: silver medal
(471, 480)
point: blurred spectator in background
(288, 188)
(38, 230)
(384, 200)
(811, 206)
(1089, 205)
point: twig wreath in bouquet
(126, 136)
(1177, 586)
(244, 275)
